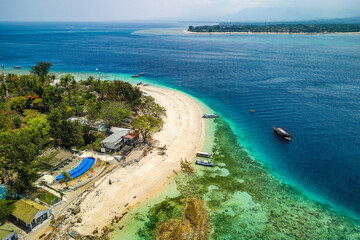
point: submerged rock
(195, 226)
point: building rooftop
(132, 135)
(116, 136)
(116, 129)
(6, 229)
(26, 210)
(56, 155)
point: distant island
(278, 28)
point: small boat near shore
(17, 67)
(2, 66)
(203, 154)
(204, 163)
(212, 115)
(146, 84)
(138, 75)
(282, 133)
(139, 83)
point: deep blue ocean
(307, 84)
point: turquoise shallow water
(244, 202)
(308, 84)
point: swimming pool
(85, 165)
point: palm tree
(52, 77)
(64, 82)
(65, 179)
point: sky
(137, 10)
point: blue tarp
(79, 170)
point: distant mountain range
(351, 20)
(290, 14)
(281, 15)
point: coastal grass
(245, 201)
(47, 197)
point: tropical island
(66, 143)
(135, 138)
(277, 28)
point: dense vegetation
(279, 28)
(35, 114)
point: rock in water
(194, 227)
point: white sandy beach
(183, 134)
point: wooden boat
(138, 75)
(252, 110)
(282, 133)
(204, 154)
(210, 116)
(204, 163)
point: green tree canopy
(67, 81)
(41, 69)
(60, 128)
(93, 110)
(147, 125)
(18, 104)
(52, 96)
(17, 121)
(17, 154)
(6, 208)
(113, 113)
(38, 129)
(148, 106)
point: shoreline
(256, 199)
(127, 77)
(137, 183)
(270, 33)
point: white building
(116, 140)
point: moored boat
(2, 66)
(17, 67)
(138, 75)
(282, 133)
(146, 84)
(139, 83)
(204, 163)
(252, 110)
(212, 115)
(204, 154)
